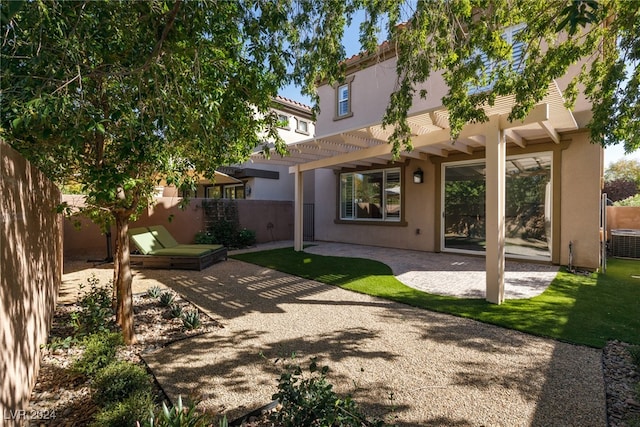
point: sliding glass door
(527, 206)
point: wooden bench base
(180, 262)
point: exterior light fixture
(418, 176)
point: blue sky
(352, 47)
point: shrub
(135, 408)
(166, 298)
(175, 311)
(154, 292)
(205, 238)
(95, 308)
(119, 380)
(312, 401)
(180, 416)
(246, 238)
(191, 319)
(99, 351)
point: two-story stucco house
(265, 181)
(524, 190)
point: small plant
(205, 238)
(154, 292)
(191, 319)
(58, 343)
(132, 410)
(95, 308)
(175, 311)
(180, 416)
(166, 298)
(312, 401)
(99, 351)
(119, 380)
(246, 238)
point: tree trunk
(122, 279)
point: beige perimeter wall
(271, 220)
(625, 217)
(30, 270)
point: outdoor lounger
(158, 249)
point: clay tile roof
(291, 102)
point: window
(302, 127)
(371, 195)
(283, 121)
(344, 97)
(487, 80)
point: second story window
(302, 127)
(344, 96)
(283, 121)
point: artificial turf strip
(577, 309)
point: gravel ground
(410, 366)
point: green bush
(191, 319)
(224, 232)
(99, 351)
(312, 401)
(166, 298)
(246, 238)
(136, 408)
(96, 311)
(205, 238)
(119, 380)
(154, 292)
(180, 416)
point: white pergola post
(298, 210)
(495, 210)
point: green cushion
(195, 245)
(163, 236)
(179, 251)
(145, 242)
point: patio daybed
(158, 249)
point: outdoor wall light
(418, 176)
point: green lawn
(576, 309)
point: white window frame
(383, 202)
(299, 128)
(347, 84)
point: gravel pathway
(411, 366)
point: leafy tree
(117, 95)
(620, 189)
(433, 35)
(623, 170)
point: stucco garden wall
(623, 217)
(30, 272)
(271, 220)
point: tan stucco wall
(580, 201)
(418, 213)
(576, 208)
(625, 217)
(30, 271)
(271, 220)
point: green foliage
(180, 416)
(154, 292)
(166, 298)
(119, 380)
(95, 312)
(99, 351)
(311, 401)
(191, 319)
(118, 95)
(625, 170)
(126, 413)
(57, 343)
(175, 311)
(246, 238)
(205, 238)
(630, 201)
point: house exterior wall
(30, 272)
(581, 172)
(370, 92)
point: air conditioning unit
(625, 243)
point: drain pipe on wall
(570, 267)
